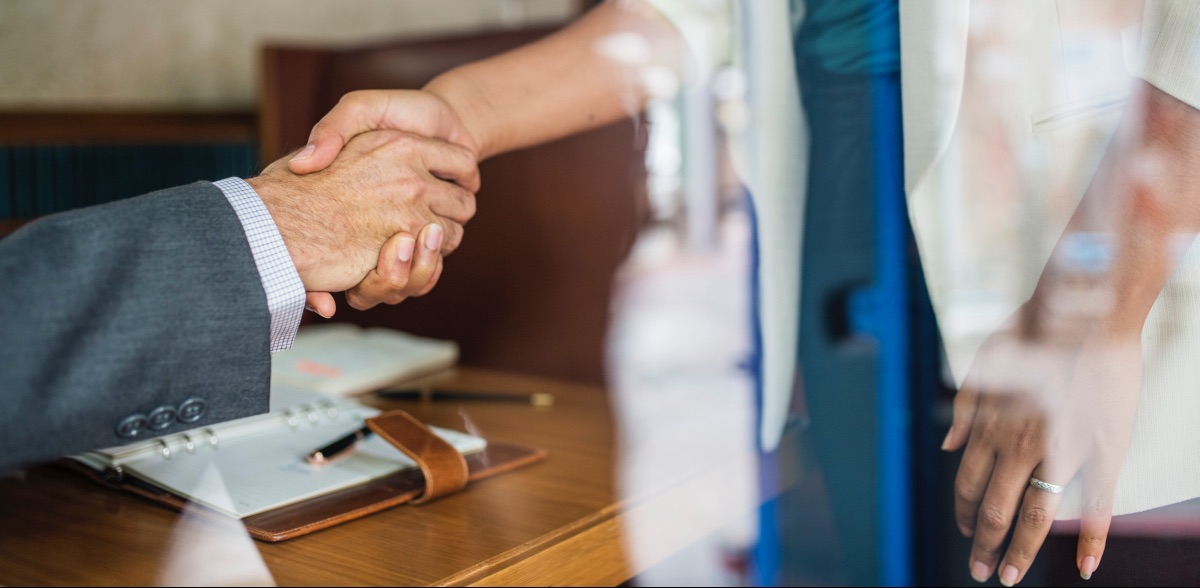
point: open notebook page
(265, 468)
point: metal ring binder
(331, 410)
(166, 449)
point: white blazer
(1056, 74)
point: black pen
(339, 448)
(536, 398)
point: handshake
(376, 199)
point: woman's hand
(414, 111)
(418, 112)
(1057, 407)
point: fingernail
(1088, 566)
(433, 238)
(305, 153)
(946, 441)
(405, 250)
(309, 308)
(980, 572)
(1008, 576)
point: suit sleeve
(126, 321)
(1173, 49)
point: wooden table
(558, 522)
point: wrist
(1073, 307)
(454, 90)
(274, 195)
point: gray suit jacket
(126, 321)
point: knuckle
(1035, 516)
(1097, 506)
(965, 491)
(469, 205)
(402, 142)
(1091, 543)
(428, 287)
(993, 518)
(354, 97)
(405, 182)
(454, 237)
(1027, 442)
(418, 187)
(355, 300)
(396, 283)
(965, 522)
(321, 127)
(408, 185)
(473, 182)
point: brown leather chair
(529, 288)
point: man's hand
(414, 111)
(488, 107)
(407, 267)
(336, 221)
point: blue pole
(891, 222)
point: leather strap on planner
(444, 467)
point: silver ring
(1047, 486)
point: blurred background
(624, 256)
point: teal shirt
(848, 36)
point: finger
(446, 161)
(387, 282)
(321, 303)
(974, 471)
(451, 201)
(996, 512)
(1033, 522)
(450, 236)
(403, 274)
(1096, 517)
(437, 274)
(356, 112)
(428, 260)
(966, 403)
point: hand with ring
(1037, 413)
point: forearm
(1144, 204)
(118, 310)
(590, 74)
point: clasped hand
(1058, 407)
(349, 222)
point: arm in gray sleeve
(129, 320)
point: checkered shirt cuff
(285, 292)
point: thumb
(356, 112)
(321, 303)
(965, 404)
